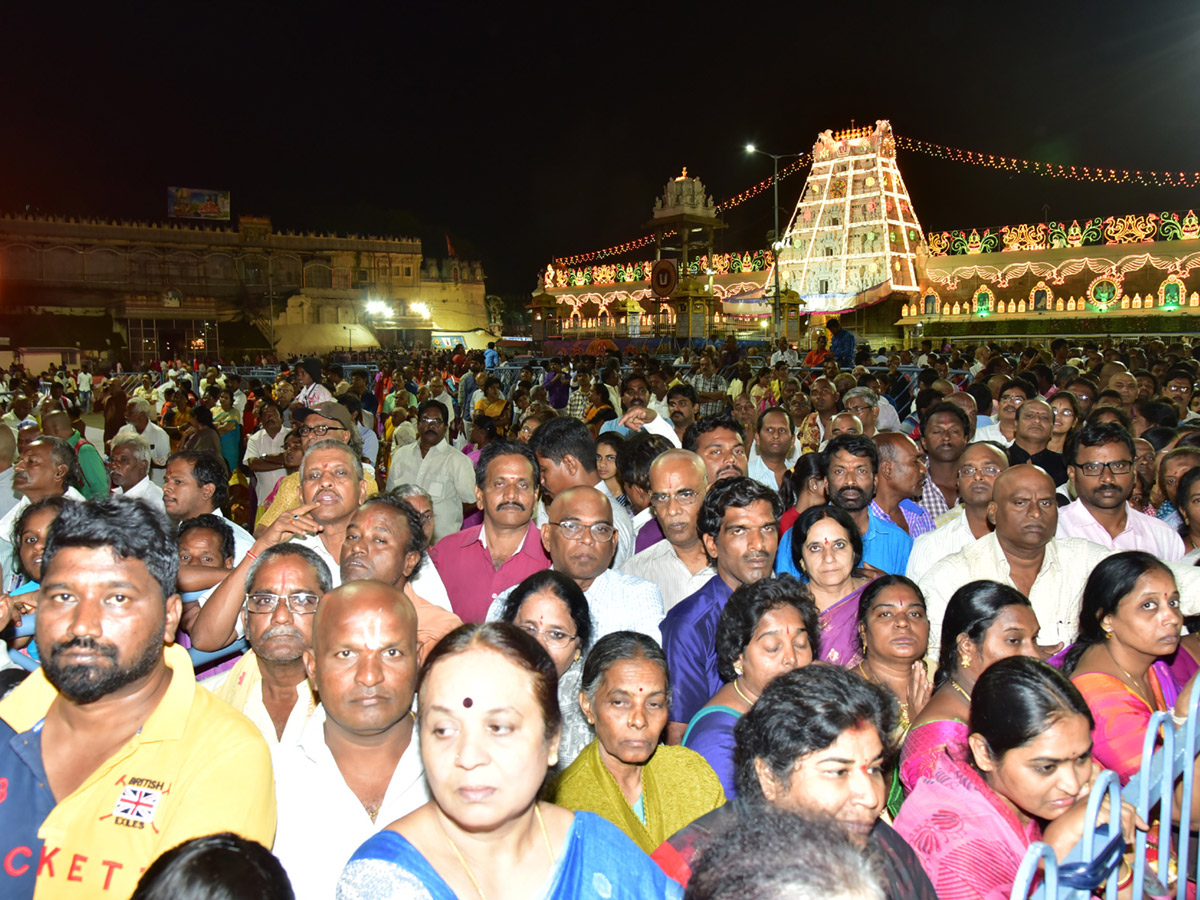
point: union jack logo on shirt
(137, 803)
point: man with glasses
(357, 765)
(978, 467)
(1178, 386)
(863, 403)
(268, 684)
(1035, 421)
(1086, 391)
(1012, 394)
(327, 421)
(679, 564)
(1101, 470)
(478, 563)
(441, 469)
(580, 538)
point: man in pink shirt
(480, 562)
(1100, 467)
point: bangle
(251, 554)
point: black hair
(926, 397)
(802, 712)
(1083, 380)
(983, 397)
(1096, 417)
(782, 410)
(856, 445)
(203, 415)
(291, 548)
(972, 610)
(518, 648)
(631, 378)
(683, 389)
(221, 866)
(1097, 434)
(433, 404)
(1180, 372)
(1112, 580)
(563, 436)
(207, 468)
(212, 522)
(1021, 385)
(214, 391)
(416, 534)
(701, 427)
(736, 492)
(131, 530)
(795, 481)
(495, 449)
(352, 403)
(745, 609)
(492, 380)
(1159, 436)
(55, 503)
(614, 439)
(771, 853)
(565, 589)
(877, 587)
(1017, 698)
(811, 517)
(615, 647)
(635, 456)
(1157, 412)
(1182, 489)
(953, 409)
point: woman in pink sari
(1024, 777)
(824, 548)
(985, 621)
(1127, 661)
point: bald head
(57, 424)
(892, 445)
(570, 539)
(582, 501)
(362, 602)
(1024, 508)
(678, 462)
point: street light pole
(780, 329)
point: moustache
(512, 504)
(281, 631)
(84, 643)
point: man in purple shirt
(557, 384)
(739, 525)
(480, 562)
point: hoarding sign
(196, 203)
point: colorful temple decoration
(1129, 229)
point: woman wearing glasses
(1067, 420)
(552, 609)
(646, 790)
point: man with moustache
(45, 468)
(678, 563)
(1035, 421)
(476, 564)
(139, 414)
(851, 465)
(333, 488)
(95, 475)
(357, 766)
(1101, 469)
(109, 753)
(439, 468)
(580, 538)
(720, 442)
(268, 684)
(1024, 553)
(738, 524)
(682, 406)
(196, 484)
(635, 394)
(129, 470)
(979, 466)
(945, 433)
(385, 542)
(775, 450)
(903, 468)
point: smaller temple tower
(853, 239)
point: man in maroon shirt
(480, 562)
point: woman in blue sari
(489, 726)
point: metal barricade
(1096, 859)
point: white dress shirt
(160, 449)
(993, 433)
(256, 711)
(621, 519)
(618, 602)
(1056, 591)
(757, 469)
(445, 473)
(888, 419)
(145, 490)
(661, 565)
(934, 546)
(262, 444)
(321, 821)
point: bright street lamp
(778, 242)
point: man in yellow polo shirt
(110, 754)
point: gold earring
(1107, 635)
(737, 668)
(965, 662)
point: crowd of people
(843, 624)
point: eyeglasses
(262, 602)
(602, 532)
(1013, 398)
(685, 497)
(552, 637)
(319, 430)
(432, 420)
(858, 410)
(1179, 388)
(1117, 467)
(971, 471)
(1065, 413)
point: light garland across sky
(938, 151)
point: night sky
(526, 135)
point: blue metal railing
(1092, 862)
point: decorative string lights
(938, 151)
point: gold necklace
(905, 721)
(958, 687)
(463, 861)
(749, 702)
(1132, 682)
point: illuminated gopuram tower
(854, 239)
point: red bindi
(467, 702)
